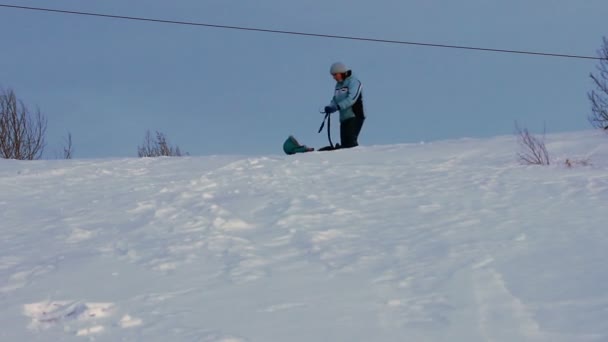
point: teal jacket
(348, 98)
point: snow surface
(442, 241)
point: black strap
(328, 118)
(323, 123)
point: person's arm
(332, 107)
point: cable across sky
(295, 33)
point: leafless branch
(157, 147)
(534, 151)
(599, 96)
(68, 149)
(22, 134)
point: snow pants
(349, 132)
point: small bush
(22, 133)
(68, 148)
(157, 147)
(533, 149)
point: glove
(330, 109)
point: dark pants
(349, 132)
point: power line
(374, 40)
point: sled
(292, 146)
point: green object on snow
(292, 146)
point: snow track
(435, 242)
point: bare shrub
(68, 148)
(157, 146)
(599, 97)
(534, 151)
(22, 133)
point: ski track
(425, 245)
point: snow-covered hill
(443, 241)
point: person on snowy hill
(349, 101)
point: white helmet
(338, 68)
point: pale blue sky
(216, 91)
